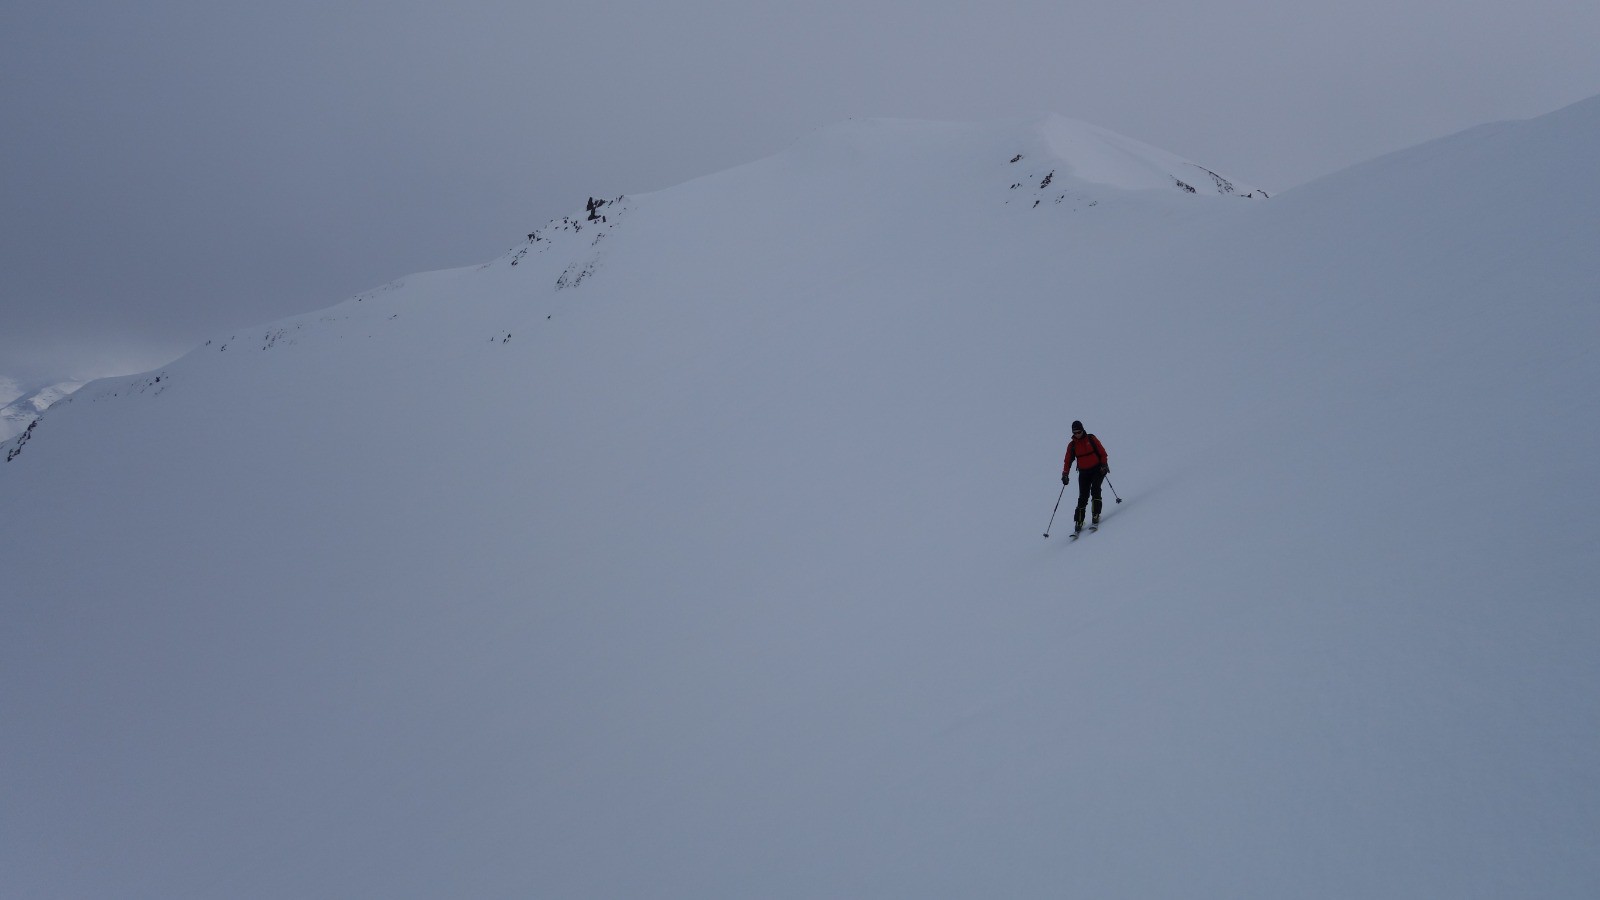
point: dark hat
(1076, 425)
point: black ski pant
(1089, 487)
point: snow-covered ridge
(1099, 156)
(1055, 147)
(1048, 161)
(24, 405)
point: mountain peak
(1071, 149)
(1100, 156)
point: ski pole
(1113, 491)
(1058, 507)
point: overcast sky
(173, 170)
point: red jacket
(1087, 451)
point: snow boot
(1095, 520)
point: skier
(1093, 468)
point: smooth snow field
(695, 551)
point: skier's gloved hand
(1105, 468)
(1063, 478)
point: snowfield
(692, 548)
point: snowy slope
(693, 550)
(20, 405)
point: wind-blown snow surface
(696, 551)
